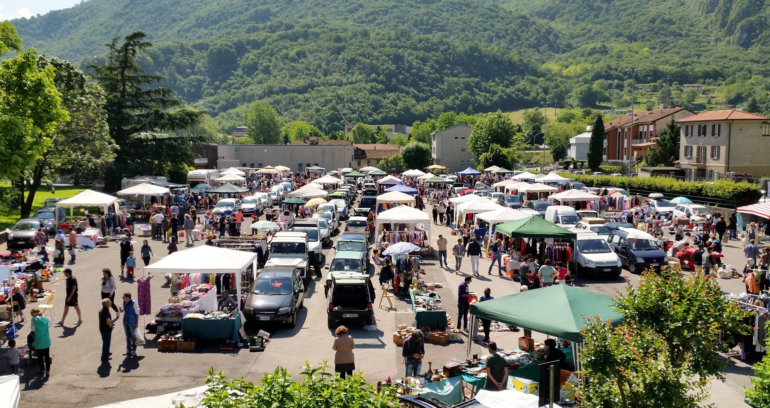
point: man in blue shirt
(497, 256)
(463, 293)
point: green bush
(610, 169)
(737, 194)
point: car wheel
(293, 321)
(632, 268)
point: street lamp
(545, 110)
(543, 149)
(633, 72)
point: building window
(462, 161)
(688, 174)
(315, 164)
(463, 138)
(308, 165)
(714, 175)
(700, 174)
(700, 155)
(688, 152)
(359, 163)
(715, 151)
(701, 130)
(716, 130)
(766, 129)
(456, 137)
(688, 131)
(243, 164)
(299, 166)
(251, 165)
(369, 162)
(462, 149)
(259, 166)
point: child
(13, 355)
(130, 265)
(563, 272)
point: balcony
(699, 160)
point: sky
(10, 9)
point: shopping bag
(181, 234)
(138, 337)
(168, 234)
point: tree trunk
(37, 179)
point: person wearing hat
(751, 251)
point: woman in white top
(108, 289)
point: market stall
(413, 173)
(513, 188)
(209, 260)
(500, 216)
(552, 177)
(227, 188)
(389, 181)
(403, 224)
(309, 192)
(526, 236)
(233, 170)
(466, 211)
(145, 190)
(401, 188)
(88, 198)
(524, 176)
(538, 189)
(581, 199)
(391, 200)
(327, 180)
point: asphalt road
(80, 379)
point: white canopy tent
(571, 196)
(464, 199)
(88, 198)
(368, 169)
(327, 180)
(505, 182)
(477, 206)
(309, 192)
(232, 170)
(426, 176)
(144, 189)
(10, 391)
(524, 176)
(207, 259)
(516, 186)
(413, 173)
(500, 216)
(403, 215)
(492, 168)
(190, 398)
(395, 197)
(230, 178)
(386, 178)
(282, 169)
(552, 177)
(315, 185)
(538, 188)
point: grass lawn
(8, 216)
(518, 116)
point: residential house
(578, 145)
(240, 131)
(714, 144)
(365, 155)
(637, 135)
(449, 147)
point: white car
(342, 207)
(693, 212)
(252, 205)
(280, 192)
(226, 204)
(663, 207)
(326, 232)
(265, 198)
(330, 215)
(358, 225)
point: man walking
(72, 296)
(175, 224)
(188, 226)
(458, 251)
(721, 228)
(751, 251)
(130, 312)
(463, 293)
(105, 328)
(497, 256)
(474, 252)
(442, 213)
(442, 243)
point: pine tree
(667, 150)
(596, 144)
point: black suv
(350, 299)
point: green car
(349, 262)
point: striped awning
(759, 209)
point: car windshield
(351, 246)
(326, 216)
(287, 248)
(250, 200)
(642, 244)
(273, 286)
(600, 229)
(45, 215)
(577, 185)
(357, 223)
(540, 206)
(664, 203)
(225, 204)
(368, 201)
(593, 246)
(26, 226)
(312, 234)
(323, 224)
(346, 265)
(569, 219)
(511, 199)
(592, 214)
(327, 207)
(701, 210)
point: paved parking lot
(80, 379)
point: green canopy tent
(227, 188)
(354, 174)
(316, 169)
(534, 227)
(435, 180)
(294, 200)
(557, 311)
(377, 173)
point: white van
(562, 215)
(594, 255)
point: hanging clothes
(144, 296)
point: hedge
(727, 191)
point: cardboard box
(438, 338)
(185, 346)
(526, 343)
(397, 339)
(524, 385)
(167, 345)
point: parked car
(341, 205)
(598, 228)
(23, 233)
(331, 218)
(588, 214)
(126, 205)
(225, 204)
(350, 298)
(47, 216)
(358, 225)
(368, 202)
(276, 296)
(369, 192)
(539, 206)
(51, 202)
(353, 237)
(346, 262)
(612, 226)
(267, 201)
(637, 249)
(662, 207)
(326, 231)
(594, 255)
(252, 205)
(693, 212)
(562, 215)
(510, 201)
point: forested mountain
(334, 62)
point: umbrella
(681, 200)
(436, 167)
(268, 225)
(401, 248)
(269, 167)
(294, 200)
(315, 202)
(469, 172)
(376, 173)
(282, 168)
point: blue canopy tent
(401, 188)
(391, 182)
(469, 172)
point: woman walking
(344, 359)
(42, 343)
(108, 288)
(146, 252)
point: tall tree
(447, 120)
(381, 135)
(394, 163)
(596, 144)
(363, 133)
(534, 120)
(666, 151)
(80, 147)
(495, 128)
(136, 108)
(421, 132)
(417, 155)
(263, 125)
(495, 156)
(398, 139)
(301, 130)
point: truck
(205, 176)
(127, 182)
(290, 249)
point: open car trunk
(354, 297)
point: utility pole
(633, 72)
(545, 110)
(612, 96)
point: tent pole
(470, 336)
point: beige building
(449, 147)
(329, 154)
(726, 141)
